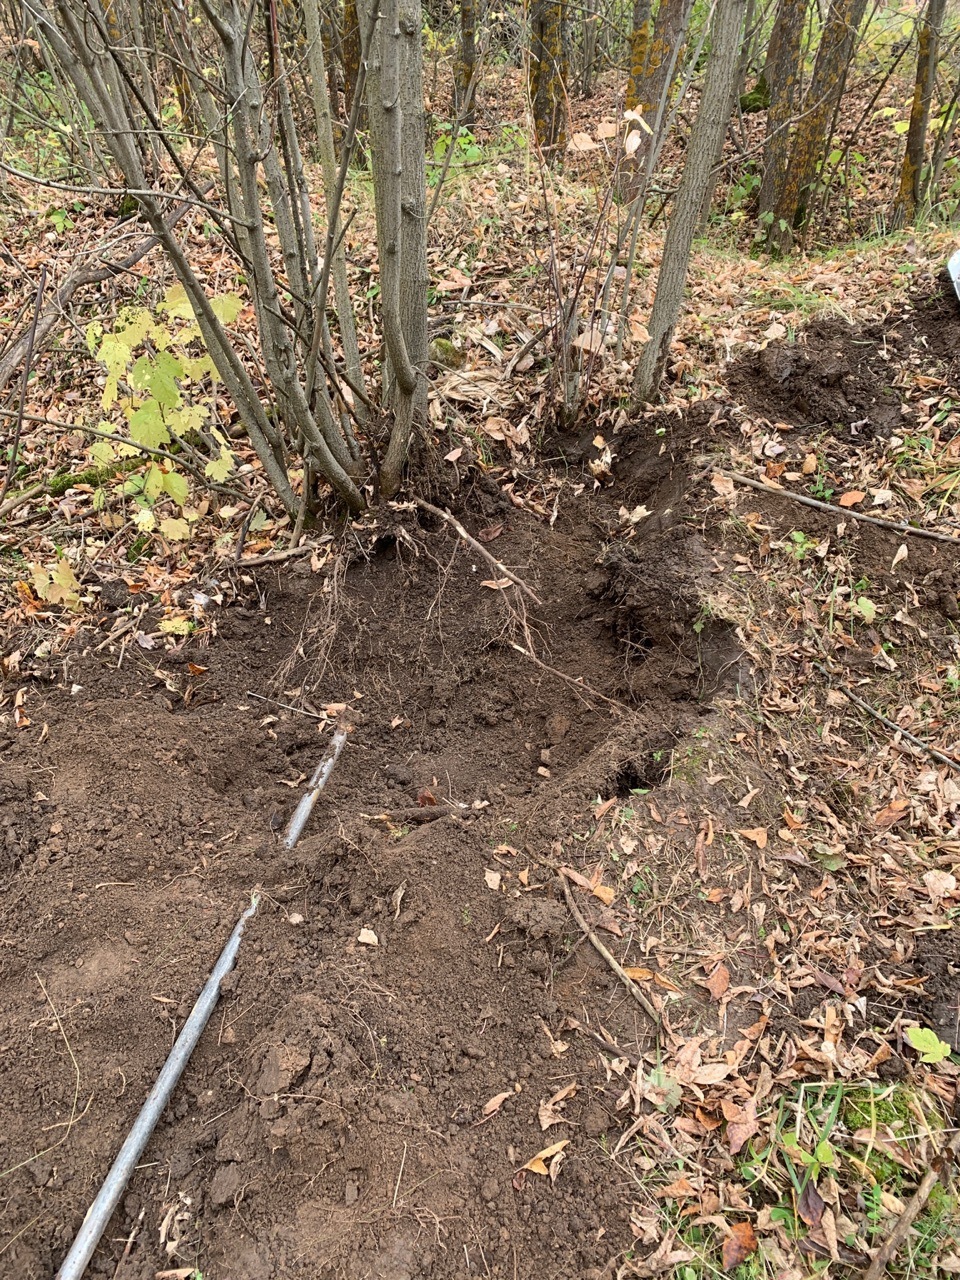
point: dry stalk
(602, 951)
(887, 1251)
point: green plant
(163, 384)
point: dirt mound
(353, 1110)
(845, 377)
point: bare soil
(332, 1122)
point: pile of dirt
(413, 990)
(337, 1118)
(845, 377)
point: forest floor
(423, 1066)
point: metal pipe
(317, 783)
(99, 1213)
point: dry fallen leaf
(538, 1163)
(851, 498)
(496, 1102)
(718, 981)
(639, 974)
(739, 1245)
(493, 879)
(677, 1190)
(496, 584)
(757, 834)
(549, 1111)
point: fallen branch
(27, 362)
(890, 724)
(601, 950)
(478, 547)
(276, 557)
(11, 504)
(885, 1254)
(777, 491)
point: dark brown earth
(331, 1123)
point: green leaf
(220, 467)
(866, 609)
(153, 482)
(928, 1044)
(158, 374)
(227, 307)
(176, 486)
(147, 426)
(176, 303)
(901, 126)
(103, 453)
(175, 529)
(824, 1154)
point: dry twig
(887, 1251)
(777, 491)
(601, 950)
(478, 547)
(932, 752)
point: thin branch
(885, 1254)
(477, 547)
(648, 1008)
(932, 752)
(778, 491)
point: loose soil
(336, 1119)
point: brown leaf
(718, 981)
(677, 1190)
(757, 834)
(492, 531)
(549, 1111)
(741, 1126)
(739, 1245)
(426, 798)
(851, 498)
(639, 974)
(810, 1204)
(537, 1163)
(496, 584)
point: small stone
(368, 938)
(295, 918)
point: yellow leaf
(538, 1164)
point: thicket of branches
(218, 106)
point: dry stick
(609, 1046)
(561, 675)
(778, 492)
(888, 1249)
(7, 508)
(276, 557)
(28, 360)
(601, 950)
(477, 546)
(891, 724)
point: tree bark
(782, 74)
(548, 72)
(811, 136)
(706, 137)
(653, 64)
(910, 192)
(464, 80)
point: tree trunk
(811, 136)
(782, 74)
(464, 80)
(548, 72)
(395, 107)
(588, 71)
(910, 193)
(350, 42)
(706, 137)
(653, 63)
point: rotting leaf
(739, 1245)
(810, 1204)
